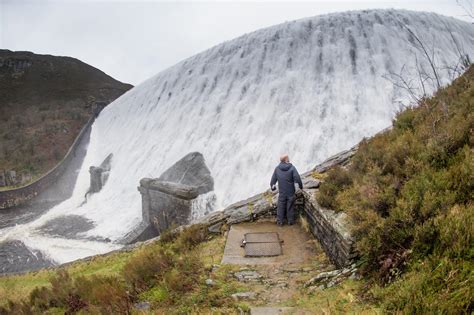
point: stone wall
(330, 228)
(19, 196)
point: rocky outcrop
(167, 201)
(100, 174)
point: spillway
(309, 88)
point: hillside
(409, 193)
(45, 101)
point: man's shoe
(291, 223)
(280, 223)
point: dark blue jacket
(286, 175)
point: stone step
(277, 310)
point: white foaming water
(309, 88)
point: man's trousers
(286, 208)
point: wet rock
(68, 226)
(168, 200)
(16, 257)
(99, 175)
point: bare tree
(418, 81)
(467, 6)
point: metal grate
(262, 244)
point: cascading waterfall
(309, 88)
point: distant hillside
(44, 102)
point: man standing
(286, 175)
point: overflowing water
(309, 88)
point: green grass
(18, 287)
(342, 299)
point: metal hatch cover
(262, 244)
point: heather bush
(409, 194)
(337, 179)
(97, 295)
(165, 272)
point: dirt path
(275, 281)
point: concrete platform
(298, 246)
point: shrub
(147, 267)
(159, 263)
(165, 272)
(409, 193)
(336, 180)
(192, 236)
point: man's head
(284, 158)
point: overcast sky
(133, 40)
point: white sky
(133, 40)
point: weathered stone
(247, 275)
(178, 190)
(216, 228)
(3, 181)
(209, 282)
(322, 277)
(341, 158)
(310, 182)
(191, 170)
(272, 310)
(244, 296)
(167, 201)
(10, 178)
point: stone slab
(265, 237)
(262, 249)
(262, 244)
(297, 247)
(275, 310)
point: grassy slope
(45, 101)
(409, 193)
(169, 290)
